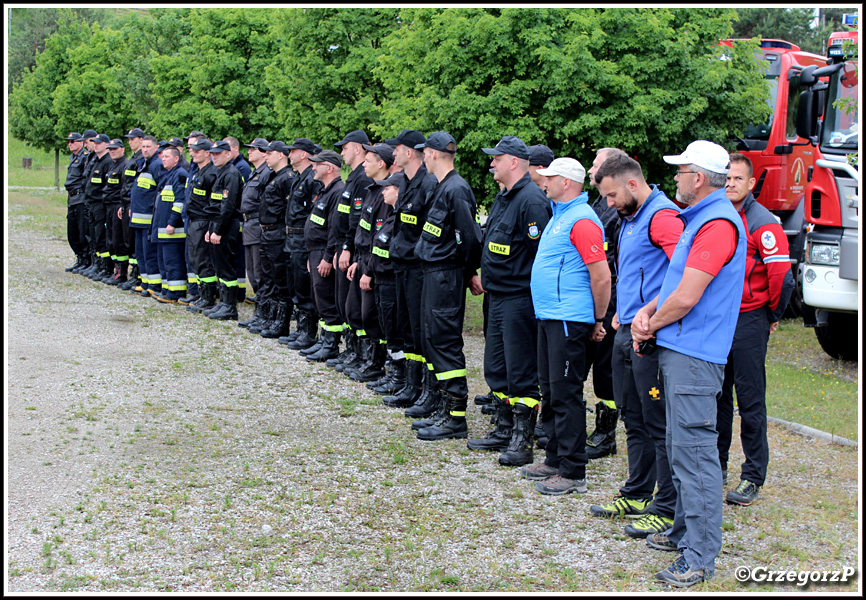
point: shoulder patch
(533, 232)
(768, 240)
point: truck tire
(838, 337)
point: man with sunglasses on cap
(250, 199)
(76, 218)
(449, 249)
(693, 319)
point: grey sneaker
(659, 541)
(537, 472)
(557, 485)
(744, 495)
(680, 574)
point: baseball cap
(195, 134)
(540, 155)
(176, 142)
(703, 154)
(392, 179)
(511, 145)
(260, 144)
(438, 140)
(220, 146)
(88, 134)
(357, 136)
(566, 167)
(407, 137)
(384, 151)
(202, 144)
(101, 139)
(115, 143)
(135, 132)
(303, 144)
(278, 146)
(328, 156)
(74, 137)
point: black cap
(511, 145)
(260, 144)
(176, 142)
(303, 144)
(316, 148)
(196, 134)
(384, 151)
(540, 155)
(135, 132)
(220, 146)
(202, 144)
(115, 143)
(438, 140)
(355, 136)
(88, 134)
(74, 137)
(408, 137)
(161, 146)
(328, 156)
(278, 146)
(102, 139)
(393, 179)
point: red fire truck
(828, 118)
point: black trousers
(443, 307)
(78, 228)
(385, 294)
(598, 356)
(639, 394)
(224, 255)
(408, 318)
(561, 372)
(274, 284)
(115, 236)
(324, 292)
(746, 372)
(198, 252)
(510, 354)
(96, 216)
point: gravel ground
(152, 450)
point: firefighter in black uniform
(115, 235)
(224, 231)
(274, 294)
(449, 250)
(252, 234)
(127, 180)
(94, 194)
(198, 195)
(517, 218)
(76, 218)
(321, 241)
(346, 222)
(300, 203)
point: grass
(42, 172)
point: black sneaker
(680, 574)
(744, 495)
(659, 541)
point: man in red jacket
(766, 291)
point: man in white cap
(693, 319)
(570, 286)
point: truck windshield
(761, 131)
(841, 123)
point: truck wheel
(838, 337)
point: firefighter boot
(452, 425)
(119, 273)
(349, 352)
(280, 324)
(411, 391)
(259, 315)
(270, 308)
(83, 264)
(374, 367)
(315, 347)
(79, 262)
(519, 451)
(229, 310)
(500, 437)
(296, 317)
(361, 356)
(397, 380)
(206, 298)
(602, 441)
(428, 401)
(307, 326)
(330, 347)
(92, 265)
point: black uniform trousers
(599, 354)
(115, 236)
(192, 279)
(96, 216)
(324, 293)
(198, 251)
(443, 307)
(300, 277)
(407, 316)
(561, 373)
(78, 228)
(224, 255)
(746, 371)
(639, 394)
(510, 355)
(385, 294)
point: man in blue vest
(693, 319)
(570, 285)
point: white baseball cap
(566, 167)
(703, 154)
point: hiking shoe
(648, 524)
(680, 574)
(621, 507)
(744, 495)
(659, 541)
(557, 485)
(539, 472)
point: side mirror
(807, 116)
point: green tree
(795, 25)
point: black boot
(428, 401)
(92, 265)
(453, 423)
(119, 273)
(207, 298)
(500, 437)
(540, 435)
(602, 441)
(219, 300)
(296, 317)
(315, 347)
(100, 271)
(519, 451)
(79, 262)
(411, 391)
(373, 368)
(84, 263)
(330, 347)
(397, 381)
(229, 309)
(113, 271)
(355, 355)
(307, 325)
(270, 308)
(345, 355)
(280, 324)
(258, 317)
(191, 296)
(385, 378)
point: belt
(294, 230)
(269, 226)
(252, 215)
